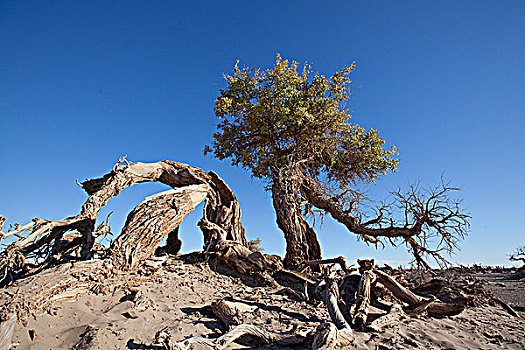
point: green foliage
(269, 119)
(255, 245)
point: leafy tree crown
(269, 119)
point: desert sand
(177, 297)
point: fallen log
(445, 309)
(328, 337)
(393, 317)
(231, 313)
(296, 337)
(400, 292)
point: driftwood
(417, 304)
(363, 299)
(339, 260)
(165, 339)
(328, 337)
(395, 315)
(445, 309)
(397, 289)
(7, 326)
(331, 301)
(335, 334)
(231, 313)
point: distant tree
(293, 130)
(255, 245)
(518, 255)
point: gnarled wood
(231, 313)
(301, 240)
(45, 232)
(363, 299)
(328, 337)
(331, 301)
(165, 339)
(221, 218)
(397, 289)
(445, 309)
(151, 221)
(395, 314)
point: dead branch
(518, 255)
(331, 300)
(400, 292)
(339, 260)
(426, 215)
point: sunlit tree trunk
(301, 240)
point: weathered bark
(7, 327)
(231, 313)
(165, 339)
(445, 309)
(363, 299)
(221, 218)
(339, 260)
(44, 232)
(328, 337)
(393, 317)
(325, 337)
(331, 301)
(397, 289)
(151, 221)
(301, 240)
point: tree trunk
(301, 240)
(221, 218)
(173, 243)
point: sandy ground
(179, 294)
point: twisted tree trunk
(221, 219)
(301, 240)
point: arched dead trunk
(146, 225)
(151, 221)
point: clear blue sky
(84, 82)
